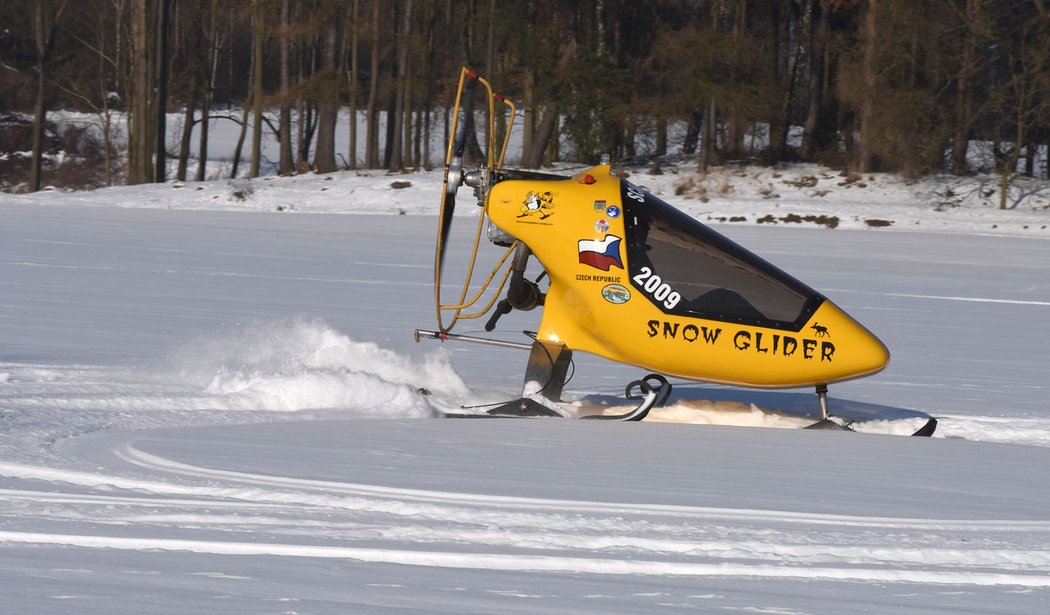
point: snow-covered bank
(791, 195)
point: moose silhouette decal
(821, 330)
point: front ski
(653, 391)
(927, 430)
(831, 424)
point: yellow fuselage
(598, 303)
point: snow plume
(306, 365)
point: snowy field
(208, 404)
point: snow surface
(209, 403)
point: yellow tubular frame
(493, 165)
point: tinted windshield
(686, 268)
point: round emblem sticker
(616, 293)
(602, 226)
(612, 211)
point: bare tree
(397, 121)
(964, 84)
(1021, 103)
(209, 69)
(328, 98)
(161, 53)
(197, 81)
(352, 78)
(285, 165)
(869, 39)
(46, 14)
(549, 121)
(814, 132)
(372, 130)
(258, 95)
(141, 136)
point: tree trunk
(328, 105)
(258, 47)
(202, 138)
(391, 139)
(396, 126)
(735, 119)
(1031, 148)
(814, 90)
(554, 141)
(428, 84)
(692, 132)
(39, 117)
(307, 119)
(707, 137)
(210, 67)
(661, 136)
(102, 25)
(45, 21)
(528, 127)
(630, 134)
(793, 70)
(307, 127)
(406, 124)
(777, 62)
(546, 137)
(236, 162)
(160, 162)
(353, 79)
(865, 156)
(417, 140)
(372, 130)
(187, 127)
(548, 124)
(427, 165)
(964, 91)
(395, 115)
(285, 165)
(193, 52)
(140, 146)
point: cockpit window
(686, 268)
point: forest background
(862, 85)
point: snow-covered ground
(209, 404)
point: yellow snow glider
(634, 280)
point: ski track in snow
(473, 531)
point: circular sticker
(602, 226)
(612, 211)
(616, 293)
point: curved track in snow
(215, 491)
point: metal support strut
(825, 421)
(822, 400)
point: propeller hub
(481, 180)
(454, 176)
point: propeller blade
(460, 143)
(453, 180)
(454, 175)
